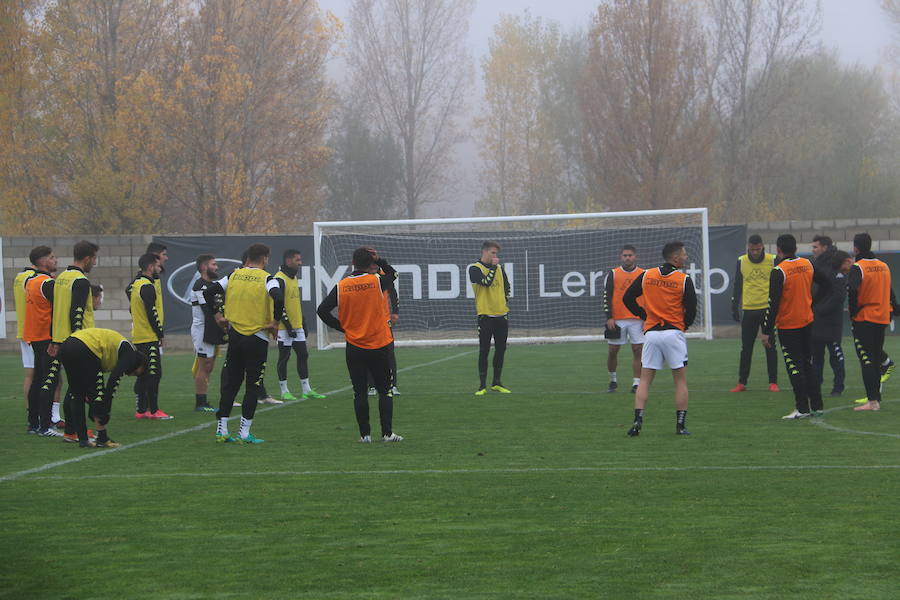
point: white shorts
(286, 340)
(632, 332)
(27, 354)
(202, 349)
(667, 348)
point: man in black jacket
(828, 326)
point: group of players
(650, 308)
(801, 300)
(55, 323)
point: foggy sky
(855, 28)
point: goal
(556, 265)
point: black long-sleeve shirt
(330, 302)
(737, 294)
(854, 280)
(479, 278)
(636, 290)
(776, 287)
(81, 295)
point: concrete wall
(116, 267)
(885, 232)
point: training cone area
(538, 493)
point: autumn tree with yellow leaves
(168, 115)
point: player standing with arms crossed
(618, 318)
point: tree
(832, 143)
(411, 70)
(73, 174)
(648, 115)
(237, 135)
(751, 39)
(364, 174)
(530, 144)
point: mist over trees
(125, 116)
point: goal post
(556, 265)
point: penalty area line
(507, 471)
(107, 452)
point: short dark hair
(628, 247)
(96, 289)
(39, 252)
(84, 249)
(289, 253)
(362, 258)
(146, 260)
(490, 244)
(671, 249)
(139, 359)
(258, 251)
(823, 240)
(202, 259)
(838, 258)
(155, 248)
(787, 243)
(862, 242)
(755, 239)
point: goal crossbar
(386, 230)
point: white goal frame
(320, 226)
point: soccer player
(828, 317)
(206, 335)
(619, 318)
(491, 287)
(73, 310)
(871, 301)
(26, 349)
(86, 355)
(790, 310)
(290, 287)
(363, 318)
(749, 302)
(254, 303)
(38, 313)
(393, 301)
(669, 308)
(147, 335)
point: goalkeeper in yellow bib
(491, 287)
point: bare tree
(648, 123)
(752, 41)
(411, 69)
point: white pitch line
(824, 425)
(153, 440)
(510, 471)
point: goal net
(556, 265)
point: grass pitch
(538, 494)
